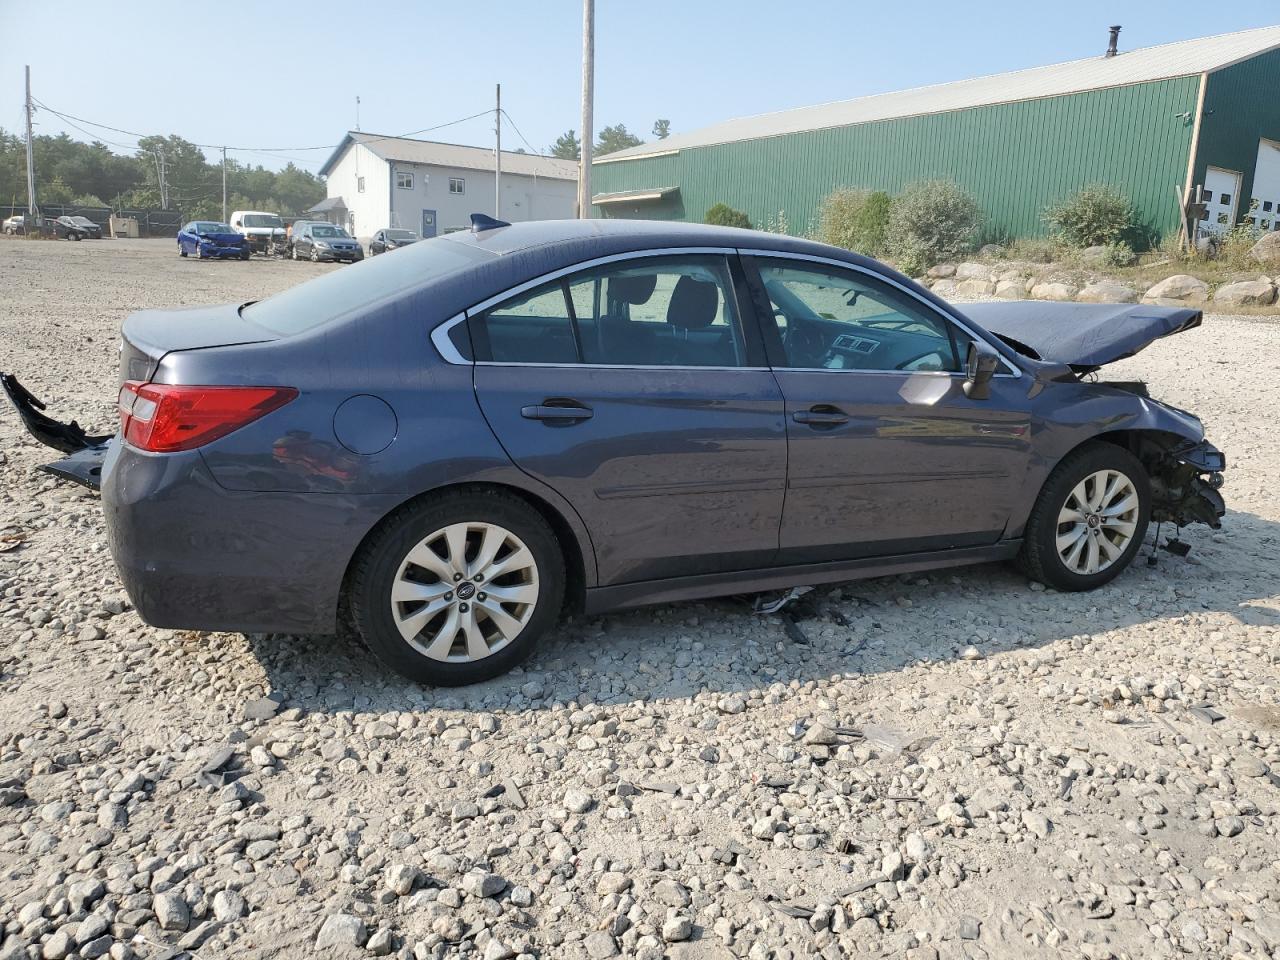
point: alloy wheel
(464, 592)
(1097, 522)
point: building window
(457, 185)
(359, 184)
(404, 180)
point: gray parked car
(456, 442)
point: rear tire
(1090, 519)
(424, 591)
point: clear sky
(257, 74)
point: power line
(73, 119)
(535, 150)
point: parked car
(76, 228)
(208, 238)
(324, 241)
(15, 224)
(456, 442)
(265, 231)
(390, 239)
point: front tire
(1090, 519)
(456, 588)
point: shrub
(931, 221)
(855, 219)
(1036, 250)
(1098, 215)
(777, 223)
(723, 215)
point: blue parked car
(455, 443)
(206, 238)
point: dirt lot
(953, 765)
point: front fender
(1065, 415)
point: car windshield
(82, 221)
(401, 235)
(262, 220)
(328, 232)
(207, 227)
(326, 298)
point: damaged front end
(86, 451)
(1185, 478)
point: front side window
(832, 319)
(668, 312)
(457, 185)
(404, 180)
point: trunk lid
(149, 334)
(1084, 336)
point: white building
(376, 181)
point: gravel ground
(954, 765)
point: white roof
(404, 150)
(1184, 58)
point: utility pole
(164, 188)
(588, 86)
(29, 224)
(357, 120)
(224, 184)
(497, 157)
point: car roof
(640, 234)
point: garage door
(1266, 187)
(1221, 194)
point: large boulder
(945, 288)
(1177, 291)
(1107, 291)
(941, 271)
(1105, 256)
(1246, 293)
(975, 287)
(1012, 289)
(992, 250)
(1267, 250)
(973, 271)
(1054, 291)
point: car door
(634, 390)
(887, 454)
(375, 245)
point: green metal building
(1167, 124)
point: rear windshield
(310, 304)
(262, 220)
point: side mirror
(980, 366)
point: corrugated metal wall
(1016, 158)
(1241, 106)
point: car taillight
(166, 418)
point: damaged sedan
(451, 446)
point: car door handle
(543, 411)
(823, 416)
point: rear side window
(664, 312)
(316, 302)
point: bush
(723, 215)
(931, 221)
(855, 219)
(1098, 215)
(1036, 250)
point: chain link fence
(151, 223)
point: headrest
(693, 304)
(637, 288)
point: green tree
(662, 129)
(567, 146)
(615, 138)
(855, 219)
(723, 215)
(1096, 215)
(931, 221)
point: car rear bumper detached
(195, 555)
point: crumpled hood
(1083, 335)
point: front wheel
(315, 255)
(456, 588)
(182, 251)
(1090, 519)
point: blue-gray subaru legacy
(457, 443)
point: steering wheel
(804, 346)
